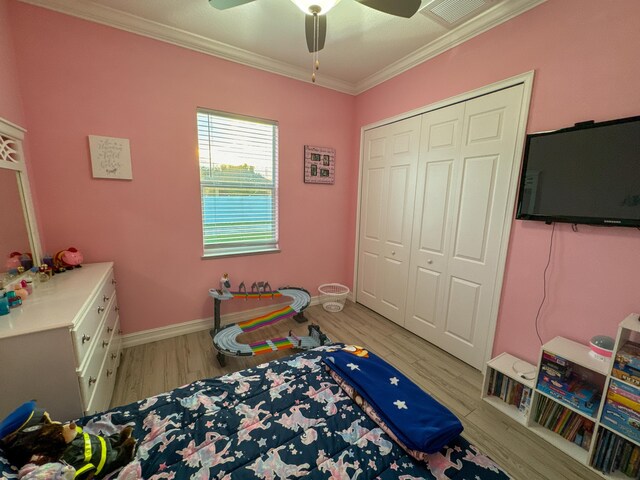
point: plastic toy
(28, 436)
(224, 338)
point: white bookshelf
(570, 448)
(577, 354)
(515, 369)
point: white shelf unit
(576, 354)
(515, 369)
(628, 329)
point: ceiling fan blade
(322, 32)
(224, 4)
(399, 8)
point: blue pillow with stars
(417, 419)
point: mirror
(19, 231)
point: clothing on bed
(283, 419)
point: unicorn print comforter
(284, 419)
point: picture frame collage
(319, 165)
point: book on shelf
(508, 390)
(561, 420)
(614, 453)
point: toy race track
(225, 338)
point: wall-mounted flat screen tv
(587, 174)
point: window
(238, 183)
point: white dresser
(62, 346)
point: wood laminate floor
(157, 367)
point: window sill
(235, 252)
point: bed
(284, 419)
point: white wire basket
(333, 296)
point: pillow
(417, 420)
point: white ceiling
(363, 47)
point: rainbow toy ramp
(225, 338)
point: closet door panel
(478, 182)
(462, 308)
(441, 137)
(486, 163)
(427, 286)
(386, 220)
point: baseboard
(170, 331)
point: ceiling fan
(316, 21)
(318, 8)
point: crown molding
(111, 17)
(104, 15)
(480, 24)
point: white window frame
(240, 247)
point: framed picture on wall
(319, 164)
(110, 157)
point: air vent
(452, 13)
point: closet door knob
(109, 373)
(113, 282)
(109, 329)
(104, 343)
(92, 380)
(113, 356)
(117, 309)
(105, 298)
(85, 338)
(100, 309)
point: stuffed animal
(28, 436)
(67, 259)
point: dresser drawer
(85, 331)
(106, 378)
(110, 322)
(90, 373)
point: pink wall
(10, 94)
(79, 78)
(587, 67)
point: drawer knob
(117, 309)
(113, 356)
(113, 281)
(92, 380)
(105, 298)
(109, 329)
(100, 309)
(104, 343)
(109, 373)
(85, 338)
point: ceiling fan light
(325, 5)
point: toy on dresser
(67, 260)
(32, 442)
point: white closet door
(438, 173)
(460, 221)
(386, 217)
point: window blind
(238, 182)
